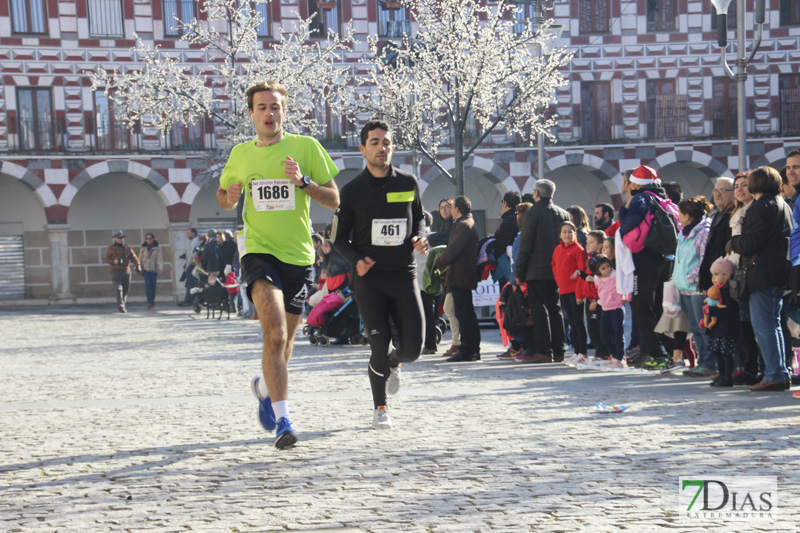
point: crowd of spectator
(720, 302)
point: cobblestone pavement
(145, 422)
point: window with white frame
(28, 16)
(35, 119)
(175, 11)
(110, 133)
(326, 17)
(662, 15)
(261, 8)
(524, 15)
(594, 16)
(105, 18)
(392, 19)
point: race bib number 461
(389, 231)
(273, 195)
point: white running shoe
(580, 359)
(618, 365)
(381, 418)
(393, 383)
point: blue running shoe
(266, 416)
(286, 437)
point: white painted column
(59, 262)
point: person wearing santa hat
(652, 268)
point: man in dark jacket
(720, 232)
(461, 256)
(538, 239)
(119, 256)
(210, 260)
(505, 235)
(227, 247)
(718, 236)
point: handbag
(738, 283)
(671, 303)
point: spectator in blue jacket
(652, 268)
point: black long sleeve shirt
(377, 218)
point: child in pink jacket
(613, 315)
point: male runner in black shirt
(383, 210)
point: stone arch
(686, 165)
(481, 165)
(773, 156)
(582, 179)
(602, 170)
(163, 188)
(41, 191)
(485, 182)
(711, 167)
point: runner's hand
(234, 192)
(420, 245)
(363, 265)
(292, 171)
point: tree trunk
(458, 140)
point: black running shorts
(292, 280)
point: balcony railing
(186, 137)
(36, 134)
(398, 28)
(114, 136)
(671, 117)
(790, 111)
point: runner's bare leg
(292, 323)
(268, 301)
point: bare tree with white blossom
(470, 62)
(161, 92)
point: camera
(182, 256)
(120, 261)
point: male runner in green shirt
(278, 173)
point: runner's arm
(340, 236)
(325, 195)
(228, 198)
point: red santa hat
(644, 175)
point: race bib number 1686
(273, 195)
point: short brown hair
(764, 180)
(521, 210)
(696, 207)
(268, 85)
(597, 235)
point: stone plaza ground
(145, 422)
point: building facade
(646, 87)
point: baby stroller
(344, 323)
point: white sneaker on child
(617, 364)
(580, 359)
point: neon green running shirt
(273, 223)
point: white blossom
(465, 61)
(163, 92)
